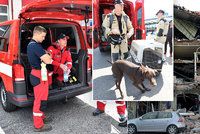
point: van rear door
(139, 24)
(73, 11)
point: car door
(162, 121)
(146, 122)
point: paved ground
(73, 117)
(104, 85)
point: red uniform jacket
(62, 56)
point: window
(139, 16)
(4, 37)
(162, 115)
(3, 13)
(3, 30)
(150, 116)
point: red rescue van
(56, 16)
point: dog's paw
(143, 91)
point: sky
(151, 7)
(193, 5)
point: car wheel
(172, 129)
(7, 106)
(132, 129)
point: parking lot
(73, 117)
(104, 85)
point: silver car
(170, 122)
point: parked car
(159, 121)
(57, 16)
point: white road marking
(1, 131)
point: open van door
(96, 24)
(139, 21)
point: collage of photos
(100, 66)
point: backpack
(166, 26)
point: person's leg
(40, 95)
(100, 108)
(166, 46)
(121, 108)
(60, 77)
(114, 53)
(124, 49)
(170, 45)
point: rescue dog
(136, 73)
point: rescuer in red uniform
(121, 108)
(59, 53)
(38, 59)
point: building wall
(12, 8)
(4, 10)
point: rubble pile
(193, 124)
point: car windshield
(3, 30)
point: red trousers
(121, 106)
(41, 94)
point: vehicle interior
(77, 76)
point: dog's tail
(109, 62)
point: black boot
(45, 128)
(47, 120)
(123, 121)
(97, 112)
(123, 124)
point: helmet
(118, 2)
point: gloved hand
(129, 35)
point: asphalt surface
(71, 118)
(104, 85)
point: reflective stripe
(19, 79)
(69, 62)
(90, 51)
(49, 74)
(37, 114)
(6, 69)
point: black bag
(34, 80)
(115, 39)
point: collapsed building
(186, 59)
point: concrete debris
(193, 124)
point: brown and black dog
(136, 73)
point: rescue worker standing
(60, 54)
(38, 59)
(169, 38)
(161, 29)
(121, 108)
(118, 23)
